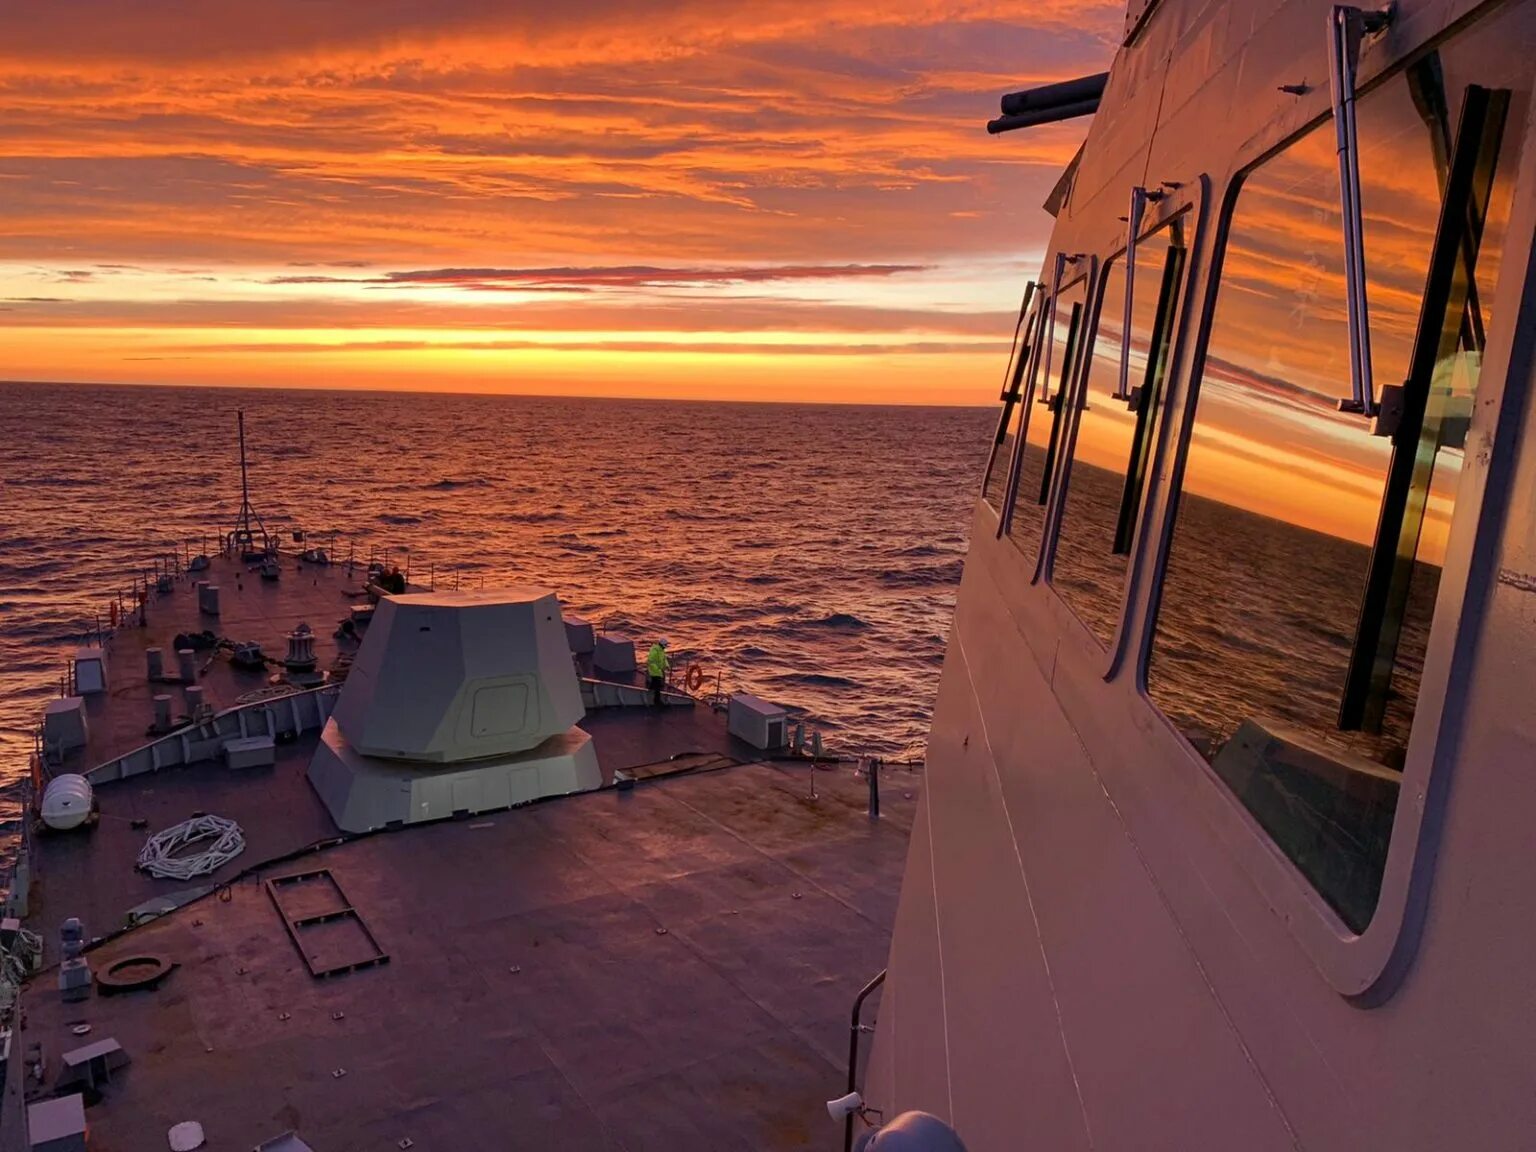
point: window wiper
(1426, 86)
(1013, 378)
(1147, 397)
(1140, 198)
(1347, 27)
(1068, 358)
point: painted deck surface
(251, 609)
(668, 966)
(662, 968)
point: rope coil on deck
(17, 963)
(158, 856)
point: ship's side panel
(997, 939)
(907, 995)
(1201, 994)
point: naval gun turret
(457, 703)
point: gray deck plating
(251, 609)
(667, 967)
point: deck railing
(855, 1030)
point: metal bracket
(1389, 411)
(1347, 27)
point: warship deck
(664, 966)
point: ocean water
(810, 554)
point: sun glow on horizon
(664, 203)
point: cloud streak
(623, 150)
(630, 277)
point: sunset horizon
(648, 202)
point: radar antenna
(243, 537)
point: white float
(66, 802)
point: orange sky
(772, 201)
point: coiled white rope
(158, 856)
(17, 963)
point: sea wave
(818, 568)
(845, 621)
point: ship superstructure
(1225, 843)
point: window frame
(1088, 276)
(1026, 343)
(1187, 205)
(1367, 965)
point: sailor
(656, 666)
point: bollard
(873, 771)
(188, 668)
(194, 695)
(155, 658)
(162, 712)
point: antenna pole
(245, 491)
(243, 537)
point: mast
(242, 536)
(245, 487)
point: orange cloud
(827, 157)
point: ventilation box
(614, 655)
(64, 724)
(757, 722)
(580, 635)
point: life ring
(695, 677)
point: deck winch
(301, 650)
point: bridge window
(1306, 553)
(1113, 438)
(1041, 416)
(1026, 346)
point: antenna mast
(243, 537)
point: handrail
(854, 1028)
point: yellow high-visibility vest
(656, 660)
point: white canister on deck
(66, 802)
